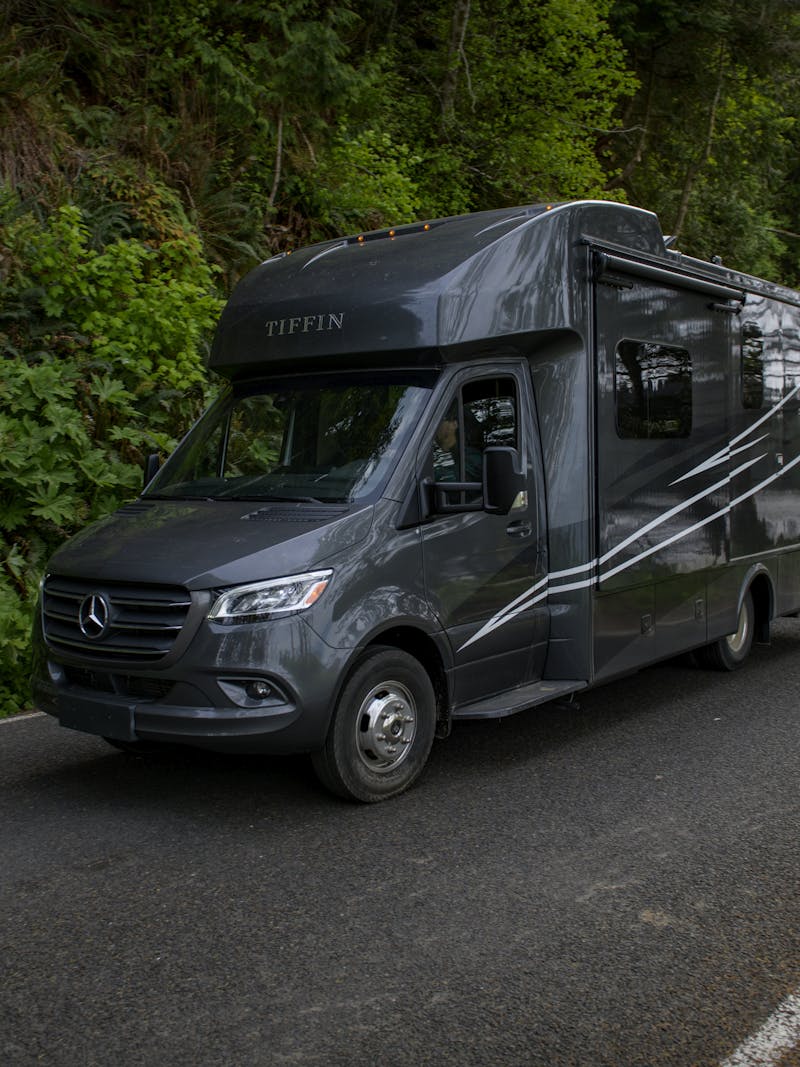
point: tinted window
(653, 390)
(752, 365)
(484, 413)
(336, 440)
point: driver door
(482, 571)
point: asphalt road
(610, 885)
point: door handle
(520, 528)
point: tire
(382, 729)
(730, 652)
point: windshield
(314, 440)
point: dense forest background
(152, 151)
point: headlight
(262, 600)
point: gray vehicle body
(626, 546)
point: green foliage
(363, 182)
(712, 132)
(559, 91)
(508, 100)
(157, 151)
(101, 365)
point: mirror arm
(151, 468)
(430, 490)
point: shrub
(102, 364)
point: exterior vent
(122, 684)
(112, 620)
(297, 513)
(136, 507)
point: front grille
(113, 620)
(128, 685)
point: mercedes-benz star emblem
(93, 616)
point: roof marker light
(361, 238)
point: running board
(527, 696)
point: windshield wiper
(174, 496)
(273, 497)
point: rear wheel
(382, 729)
(730, 652)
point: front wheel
(730, 652)
(382, 729)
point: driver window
(483, 413)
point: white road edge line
(779, 1035)
(18, 718)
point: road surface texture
(614, 884)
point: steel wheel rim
(737, 641)
(386, 726)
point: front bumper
(188, 702)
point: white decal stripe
(713, 461)
(523, 596)
(498, 621)
(768, 415)
(508, 612)
(664, 517)
(722, 455)
(678, 508)
(744, 448)
(572, 586)
(767, 481)
(664, 544)
(572, 570)
(746, 466)
(503, 617)
(545, 586)
(703, 522)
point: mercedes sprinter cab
(460, 468)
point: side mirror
(501, 480)
(151, 466)
(501, 485)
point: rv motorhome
(459, 469)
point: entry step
(527, 696)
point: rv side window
(653, 390)
(483, 413)
(752, 365)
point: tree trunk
(627, 171)
(278, 161)
(697, 166)
(455, 52)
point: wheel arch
(377, 712)
(423, 647)
(761, 586)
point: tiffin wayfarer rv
(459, 469)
